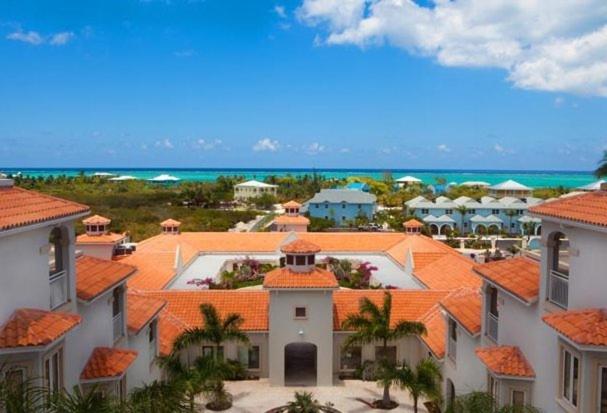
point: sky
(449, 84)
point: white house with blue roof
(342, 205)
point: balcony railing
(559, 289)
(452, 349)
(58, 287)
(118, 326)
(492, 326)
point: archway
(480, 229)
(493, 229)
(450, 393)
(300, 364)
(446, 229)
(538, 230)
(434, 230)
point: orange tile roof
(141, 310)
(421, 259)
(169, 328)
(437, 331)
(505, 361)
(589, 208)
(32, 327)
(95, 276)
(413, 223)
(465, 307)
(287, 220)
(291, 204)
(20, 207)
(107, 363)
(170, 223)
(96, 220)
(519, 276)
(586, 327)
(287, 278)
(353, 241)
(409, 305)
(109, 238)
(449, 272)
(300, 246)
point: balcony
(452, 349)
(118, 326)
(558, 289)
(492, 326)
(58, 289)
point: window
(472, 211)
(452, 345)
(300, 260)
(493, 387)
(53, 370)
(558, 277)
(389, 354)
(290, 260)
(300, 312)
(253, 363)
(425, 211)
(311, 259)
(518, 398)
(343, 218)
(351, 358)
(495, 211)
(326, 205)
(448, 211)
(15, 377)
(570, 377)
(118, 318)
(603, 389)
(343, 205)
(316, 206)
(492, 316)
(55, 252)
(512, 225)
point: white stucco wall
(102, 251)
(467, 373)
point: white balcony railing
(492, 326)
(559, 289)
(118, 326)
(58, 287)
(452, 349)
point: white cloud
(498, 148)
(280, 11)
(59, 39)
(558, 46)
(30, 37)
(443, 148)
(207, 144)
(344, 150)
(36, 39)
(266, 144)
(165, 143)
(185, 53)
(314, 148)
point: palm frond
(192, 336)
(407, 328)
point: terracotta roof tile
(96, 220)
(141, 310)
(95, 276)
(505, 361)
(585, 327)
(465, 307)
(291, 204)
(412, 223)
(107, 363)
(422, 259)
(109, 238)
(449, 272)
(437, 331)
(169, 328)
(408, 305)
(287, 278)
(170, 223)
(353, 241)
(287, 220)
(589, 208)
(20, 207)
(519, 276)
(300, 246)
(32, 327)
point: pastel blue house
(357, 186)
(342, 205)
(487, 215)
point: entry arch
(301, 364)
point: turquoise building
(342, 205)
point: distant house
(594, 186)
(291, 220)
(342, 205)
(99, 242)
(358, 186)
(406, 181)
(510, 188)
(253, 189)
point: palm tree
(215, 330)
(510, 213)
(158, 397)
(601, 171)
(372, 324)
(421, 381)
(481, 402)
(462, 209)
(26, 397)
(303, 403)
(79, 402)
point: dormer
(96, 225)
(292, 208)
(413, 227)
(170, 226)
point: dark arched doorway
(300, 364)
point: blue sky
(224, 83)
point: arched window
(560, 253)
(56, 252)
(558, 265)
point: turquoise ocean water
(535, 179)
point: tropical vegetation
(482, 402)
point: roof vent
(6, 183)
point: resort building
(358, 186)
(65, 320)
(594, 186)
(253, 189)
(407, 181)
(98, 241)
(510, 188)
(485, 216)
(342, 205)
(291, 220)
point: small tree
(462, 209)
(373, 324)
(303, 403)
(421, 381)
(510, 213)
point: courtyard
(258, 396)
